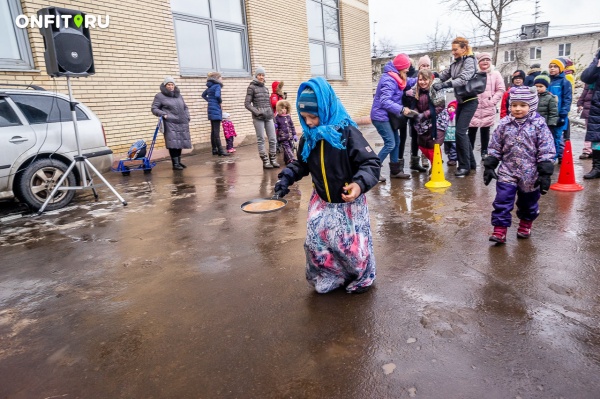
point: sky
(408, 23)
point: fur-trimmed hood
(534, 70)
(166, 92)
(213, 81)
(284, 104)
(277, 88)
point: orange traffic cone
(566, 178)
(437, 171)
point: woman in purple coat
(388, 101)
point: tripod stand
(82, 162)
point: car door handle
(17, 140)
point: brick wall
(138, 50)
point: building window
(324, 38)
(535, 53)
(15, 53)
(564, 50)
(509, 55)
(211, 35)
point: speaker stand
(81, 162)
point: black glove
(543, 182)
(560, 122)
(286, 179)
(545, 170)
(438, 86)
(489, 173)
(285, 95)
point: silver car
(37, 144)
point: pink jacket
(488, 100)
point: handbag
(474, 86)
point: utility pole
(536, 14)
(374, 39)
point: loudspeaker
(68, 48)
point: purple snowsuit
(519, 147)
(286, 135)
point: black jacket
(358, 163)
(258, 101)
(590, 76)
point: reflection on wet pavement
(181, 294)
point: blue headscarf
(332, 117)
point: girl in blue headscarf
(343, 167)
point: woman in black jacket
(258, 101)
(461, 71)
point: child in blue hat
(343, 167)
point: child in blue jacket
(561, 88)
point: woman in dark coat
(583, 106)
(461, 71)
(258, 102)
(176, 120)
(215, 113)
(591, 76)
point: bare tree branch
(490, 15)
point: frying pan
(264, 205)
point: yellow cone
(437, 174)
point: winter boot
(424, 161)
(181, 164)
(176, 164)
(397, 170)
(273, 159)
(499, 234)
(415, 164)
(266, 163)
(595, 172)
(524, 230)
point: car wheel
(39, 179)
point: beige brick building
(148, 40)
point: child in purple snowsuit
(286, 132)
(525, 146)
(229, 132)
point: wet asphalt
(182, 295)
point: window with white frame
(509, 55)
(211, 35)
(324, 38)
(535, 53)
(15, 53)
(564, 50)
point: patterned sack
(450, 134)
(137, 150)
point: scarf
(451, 114)
(332, 117)
(401, 83)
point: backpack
(137, 150)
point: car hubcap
(43, 182)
